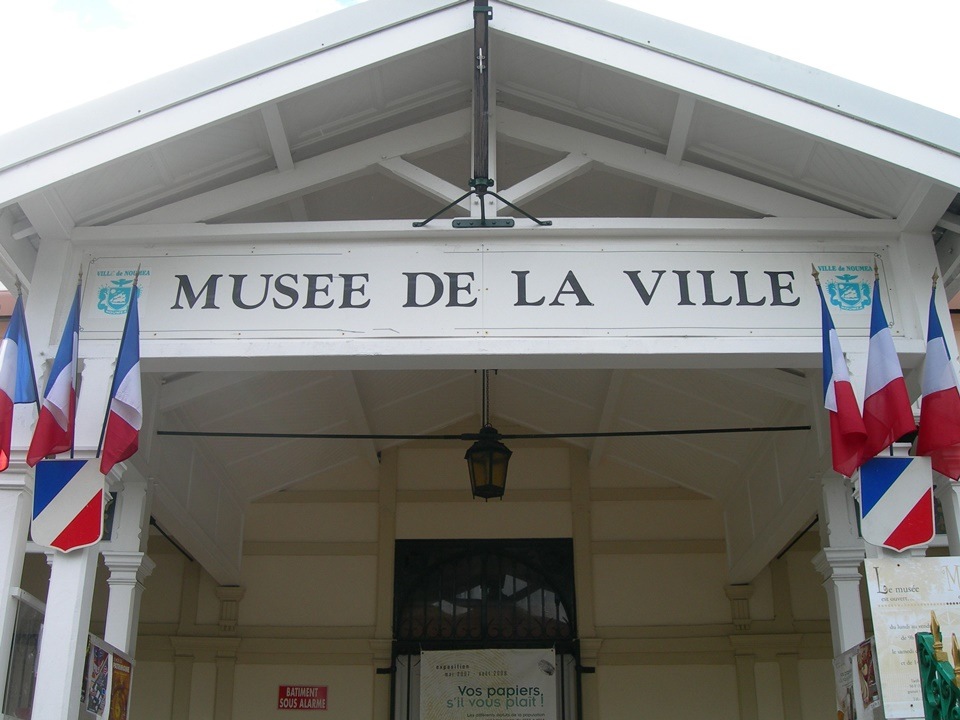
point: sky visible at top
(57, 54)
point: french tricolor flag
(125, 414)
(17, 383)
(847, 431)
(56, 423)
(887, 414)
(939, 435)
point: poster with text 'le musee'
(488, 685)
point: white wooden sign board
(404, 289)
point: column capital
(16, 478)
(382, 651)
(127, 567)
(948, 493)
(230, 597)
(842, 563)
(590, 650)
(739, 597)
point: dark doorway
(483, 594)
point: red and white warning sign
(302, 697)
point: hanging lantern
(487, 461)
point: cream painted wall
(161, 595)
(349, 691)
(816, 689)
(769, 697)
(762, 601)
(649, 520)
(809, 600)
(474, 519)
(656, 580)
(152, 694)
(203, 691)
(311, 522)
(660, 590)
(668, 692)
(437, 468)
(309, 590)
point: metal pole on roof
(481, 183)
(481, 98)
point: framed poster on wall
(492, 684)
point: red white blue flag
(67, 504)
(56, 424)
(887, 414)
(896, 502)
(939, 434)
(17, 383)
(847, 431)
(125, 414)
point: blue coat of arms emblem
(848, 292)
(113, 299)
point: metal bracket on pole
(481, 182)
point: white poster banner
(903, 592)
(488, 685)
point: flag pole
(26, 335)
(76, 368)
(123, 335)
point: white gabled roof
(364, 115)
(618, 23)
(759, 68)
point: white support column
(183, 659)
(127, 570)
(948, 492)
(381, 646)
(747, 686)
(95, 379)
(126, 561)
(583, 574)
(840, 561)
(16, 500)
(72, 578)
(65, 628)
(790, 685)
(226, 672)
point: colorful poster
(488, 685)
(866, 665)
(843, 678)
(96, 675)
(903, 592)
(120, 688)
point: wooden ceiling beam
(274, 187)
(657, 168)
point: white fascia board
(116, 237)
(719, 84)
(750, 65)
(544, 353)
(52, 157)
